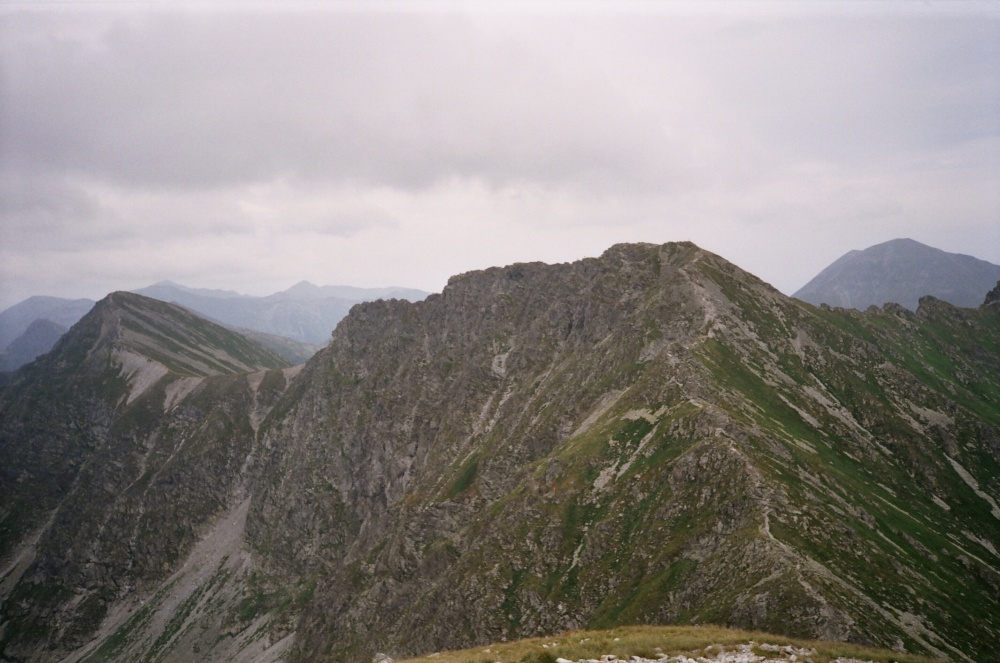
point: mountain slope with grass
(653, 436)
(667, 644)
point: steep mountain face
(117, 451)
(652, 436)
(901, 271)
(36, 340)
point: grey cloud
(206, 100)
(162, 131)
(61, 214)
(39, 212)
(854, 90)
(39, 200)
(349, 224)
(202, 100)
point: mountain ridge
(294, 322)
(102, 450)
(710, 290)
(650, 436)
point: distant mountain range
(901, 271)
(14, 321)
(30, 328)
(305, 312)
(294, 323)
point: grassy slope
(651, 642)
(186, 343)
(919, 389)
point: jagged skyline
(391, 144)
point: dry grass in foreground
(650, 642)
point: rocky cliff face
(649, 436)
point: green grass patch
(650, 642)
(465, 478)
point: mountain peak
(902, 271)
(303, 290)
(901, 241)
(36, 340)
(181, 341)
(308, 291)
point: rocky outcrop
(993, 298)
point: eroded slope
(118, 451)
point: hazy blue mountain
(15, 320)
(169, 289)
(305, 312)
(901, 271)
(36, 340)
(304, 290)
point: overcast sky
(397, 144)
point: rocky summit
(652, 436)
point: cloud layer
(252, 149)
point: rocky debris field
(741, 653)
(738, 654)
